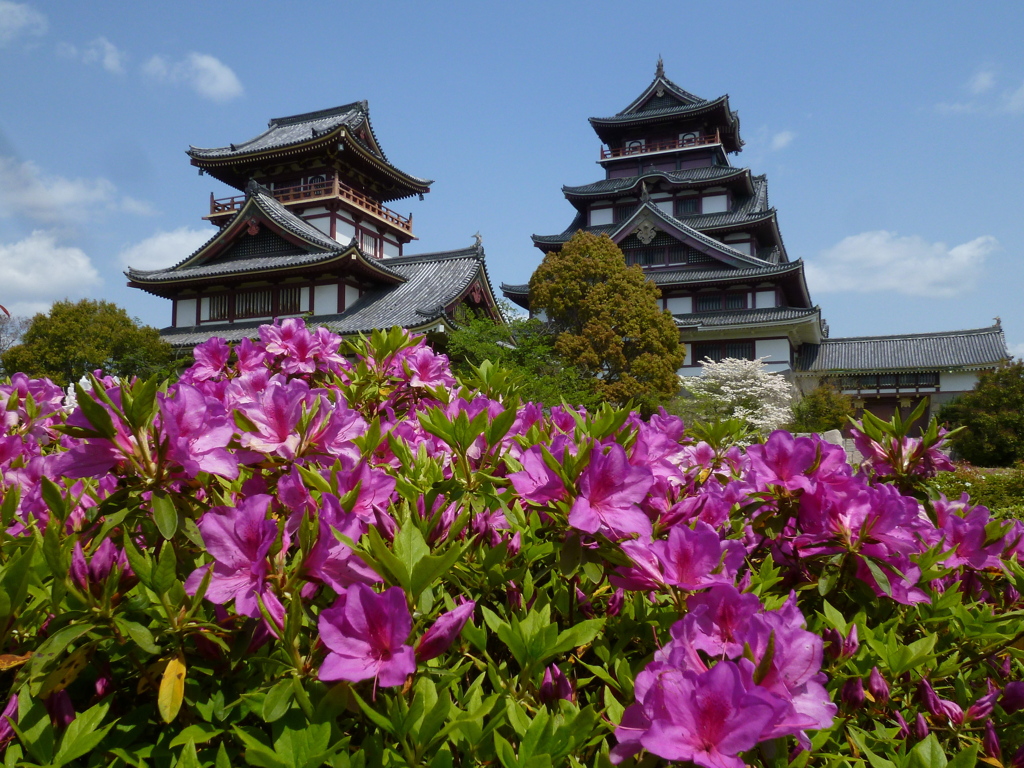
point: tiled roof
(295, 129)
(950, 349)
(520, 289)
(744, 316)
(679, 110)
(674, 276)
(432, 281)
(609, 186)
(320, 247)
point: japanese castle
(309, 235)
(703, 231)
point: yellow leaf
(65, 674)
(10, 661)
(172, 688)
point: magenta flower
(609, 491)
(536, 482)
(425, 368)
(239, 539)
(211, 360)
(366, 633)
(198, 431)
(556, 686)
(295, 347)
(8, 716)
(276, 412)
(443, 632)
(90, 576)
(707, 718)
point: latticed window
(623, 212)
(687, 206)
(289, 300)
(368, 242)
(219, 307)
(736, 301)
(254, 303)
(719, 350)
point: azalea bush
(303, 553)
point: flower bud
(443, 632)
(851, 644)
(514, 595)
(583, 603)
(920, 727)
(878, 687)
(10, 711)
(990, 742)
(615, 602)
(515, 544)
(852, 693)
(1017, 761)
(555, 686)
(62, 711)
(833, 643)
(928, 697)
(904, 730)
(983, 707)
(1012, 699)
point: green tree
(608, 321)
(822, 409)
(525, 349)
(75, 338)
(993, 417)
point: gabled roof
(310, 247)
(431, 284)
(735, 318)
(311, 132)
(664, 102)
(696, 177)
(974, 348)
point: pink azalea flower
(443, 632)
(366, 633)
(197, 431)
(609, 491)
(536, 482)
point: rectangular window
(219, 307)
(677, 254)
(623, 212)
(736, 301)
(687, 206)
(254, 303)
(288, 301)
(720, 350)
(708, 302)
(887, 380)
(740, 350)
(368, 242)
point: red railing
(659, 146)
(331, 187)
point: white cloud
(955, 108)
(205, 74)
(1017, 350)
(26, 191)
(782, 139)
(983, 81)
(1015, 101)
(884, 261)
(19, 19)
(107, 54)
(164, 249)
(36, 271)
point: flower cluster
(402, 557)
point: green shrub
(993, 417)
(822, 409)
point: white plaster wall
(679, 305)
(323, 224)
(369, 227)
(775, 350)
(599, 216)
(714, 204)
(186, 313)
(344, 232)
(204, 308)
(956, 382)
(390, 249)
(765, 299)
(304, 299)
(665, 205)
(689, 354)
(325, 299)
(351, 296)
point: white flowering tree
(740, 389)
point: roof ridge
(927, 334)
(470, 251)
(318, 114)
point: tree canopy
(608, 321)
(822, 409)
(993, 417)
(74, 338)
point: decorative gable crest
(646, 232)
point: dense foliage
(74, 338)
(822, 409)
(1001, 490)
(992, 415)
(298, 557)
(524, 348)
(11, 329)
(609, 321)
(745, 390)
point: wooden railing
(331, 187)
(660, 146)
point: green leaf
(83, 734)
(506, 754)
(15, 580)
(140, 563)
(575, 636)
(927, 754)
(966, 759)
(278, 700)
(880, 578)
(52, 647)
(188, 758)
(54, 498)
(429, 568)
(139, 634)
(164, 514)
(165, 573)
(375, 717)
(198, 733)
(395, 567)
(95, 414)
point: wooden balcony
(659, 146)
(332, 188)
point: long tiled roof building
(310, 236)
(704, 232)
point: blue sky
(890, 132)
